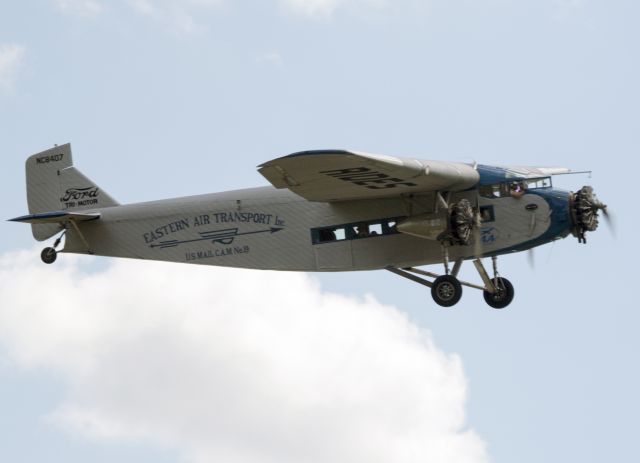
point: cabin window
(497, 190)
(539, 183)
(375, 229)
(515, 188)
(389, 227)
(340, 234)
(487, 214)
(354, 231)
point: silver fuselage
(268, 228)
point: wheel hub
(446, 290)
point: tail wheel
(503, 295)
(48, 255)
(446, 290)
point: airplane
(325, 211)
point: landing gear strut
(49, 254)
(446, 290)
(503, 289)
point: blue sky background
(163, 99)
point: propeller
(466, 223)
(584, 213)
(462, 221)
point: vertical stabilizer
(54, 184)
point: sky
(116, 360)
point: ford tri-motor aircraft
(327, 210)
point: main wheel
(503, 295)
(446, 290)
(48, 255)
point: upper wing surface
(336, 175)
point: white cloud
(233, 365)
(87, 8)
(11, 59)
(326, 8)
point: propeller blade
(477, 236)
(531, 257)
(611, 223)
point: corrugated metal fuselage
(267, 228)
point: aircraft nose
(584, 207)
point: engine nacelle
(454, 225)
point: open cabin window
(487, 214)
(496, 190)
(354, 231)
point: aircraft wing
(531, 171)
(56, 217)
(337, 175)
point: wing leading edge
(338, 175)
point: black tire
(446, 290)
(48, 255)
(503, 296)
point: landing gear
(446, 290)
(502, 296)
(48, 255)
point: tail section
(54, 184)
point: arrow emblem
(224, 236)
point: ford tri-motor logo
(74, 197)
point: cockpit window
(539, 183)
(513, 189)
(497, 190)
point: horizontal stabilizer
(56, 217)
